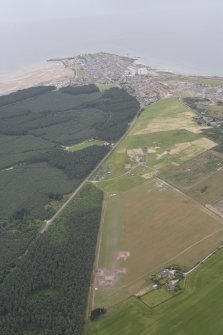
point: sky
(25, 10)
(178, 35)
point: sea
(171, 39)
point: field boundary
(202, 207)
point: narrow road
(87, 179)
(203, 260)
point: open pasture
(159, 225)
(167, 114)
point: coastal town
(145, 83)
(107, 70)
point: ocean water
(185, 40)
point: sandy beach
(53, 73)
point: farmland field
(157, 297)
(144, 152)
(195, 170)
(146, 222)
(209, 190)
(156, 226)
(167, 114)
(196, 311)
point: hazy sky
(178, 35)
(23, 10)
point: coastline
(55, 72)
(50, 73)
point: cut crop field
(196, 311)
(209, 190)
(153, 225)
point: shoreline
(161, 68)
(50, 73)
(54, 72)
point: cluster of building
(146, 84)
(170, 277)
(204, 118)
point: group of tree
(76, 90)
(97, 312)
(119, 109)
(193, 102)
(77, 164)
(55, 196)
(24, 94)
(59, 262)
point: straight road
(49, 222)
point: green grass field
(196, 311)
(84, 145)
(166, 114)
(157, 297)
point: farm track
(117, 177)
(91, 299)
